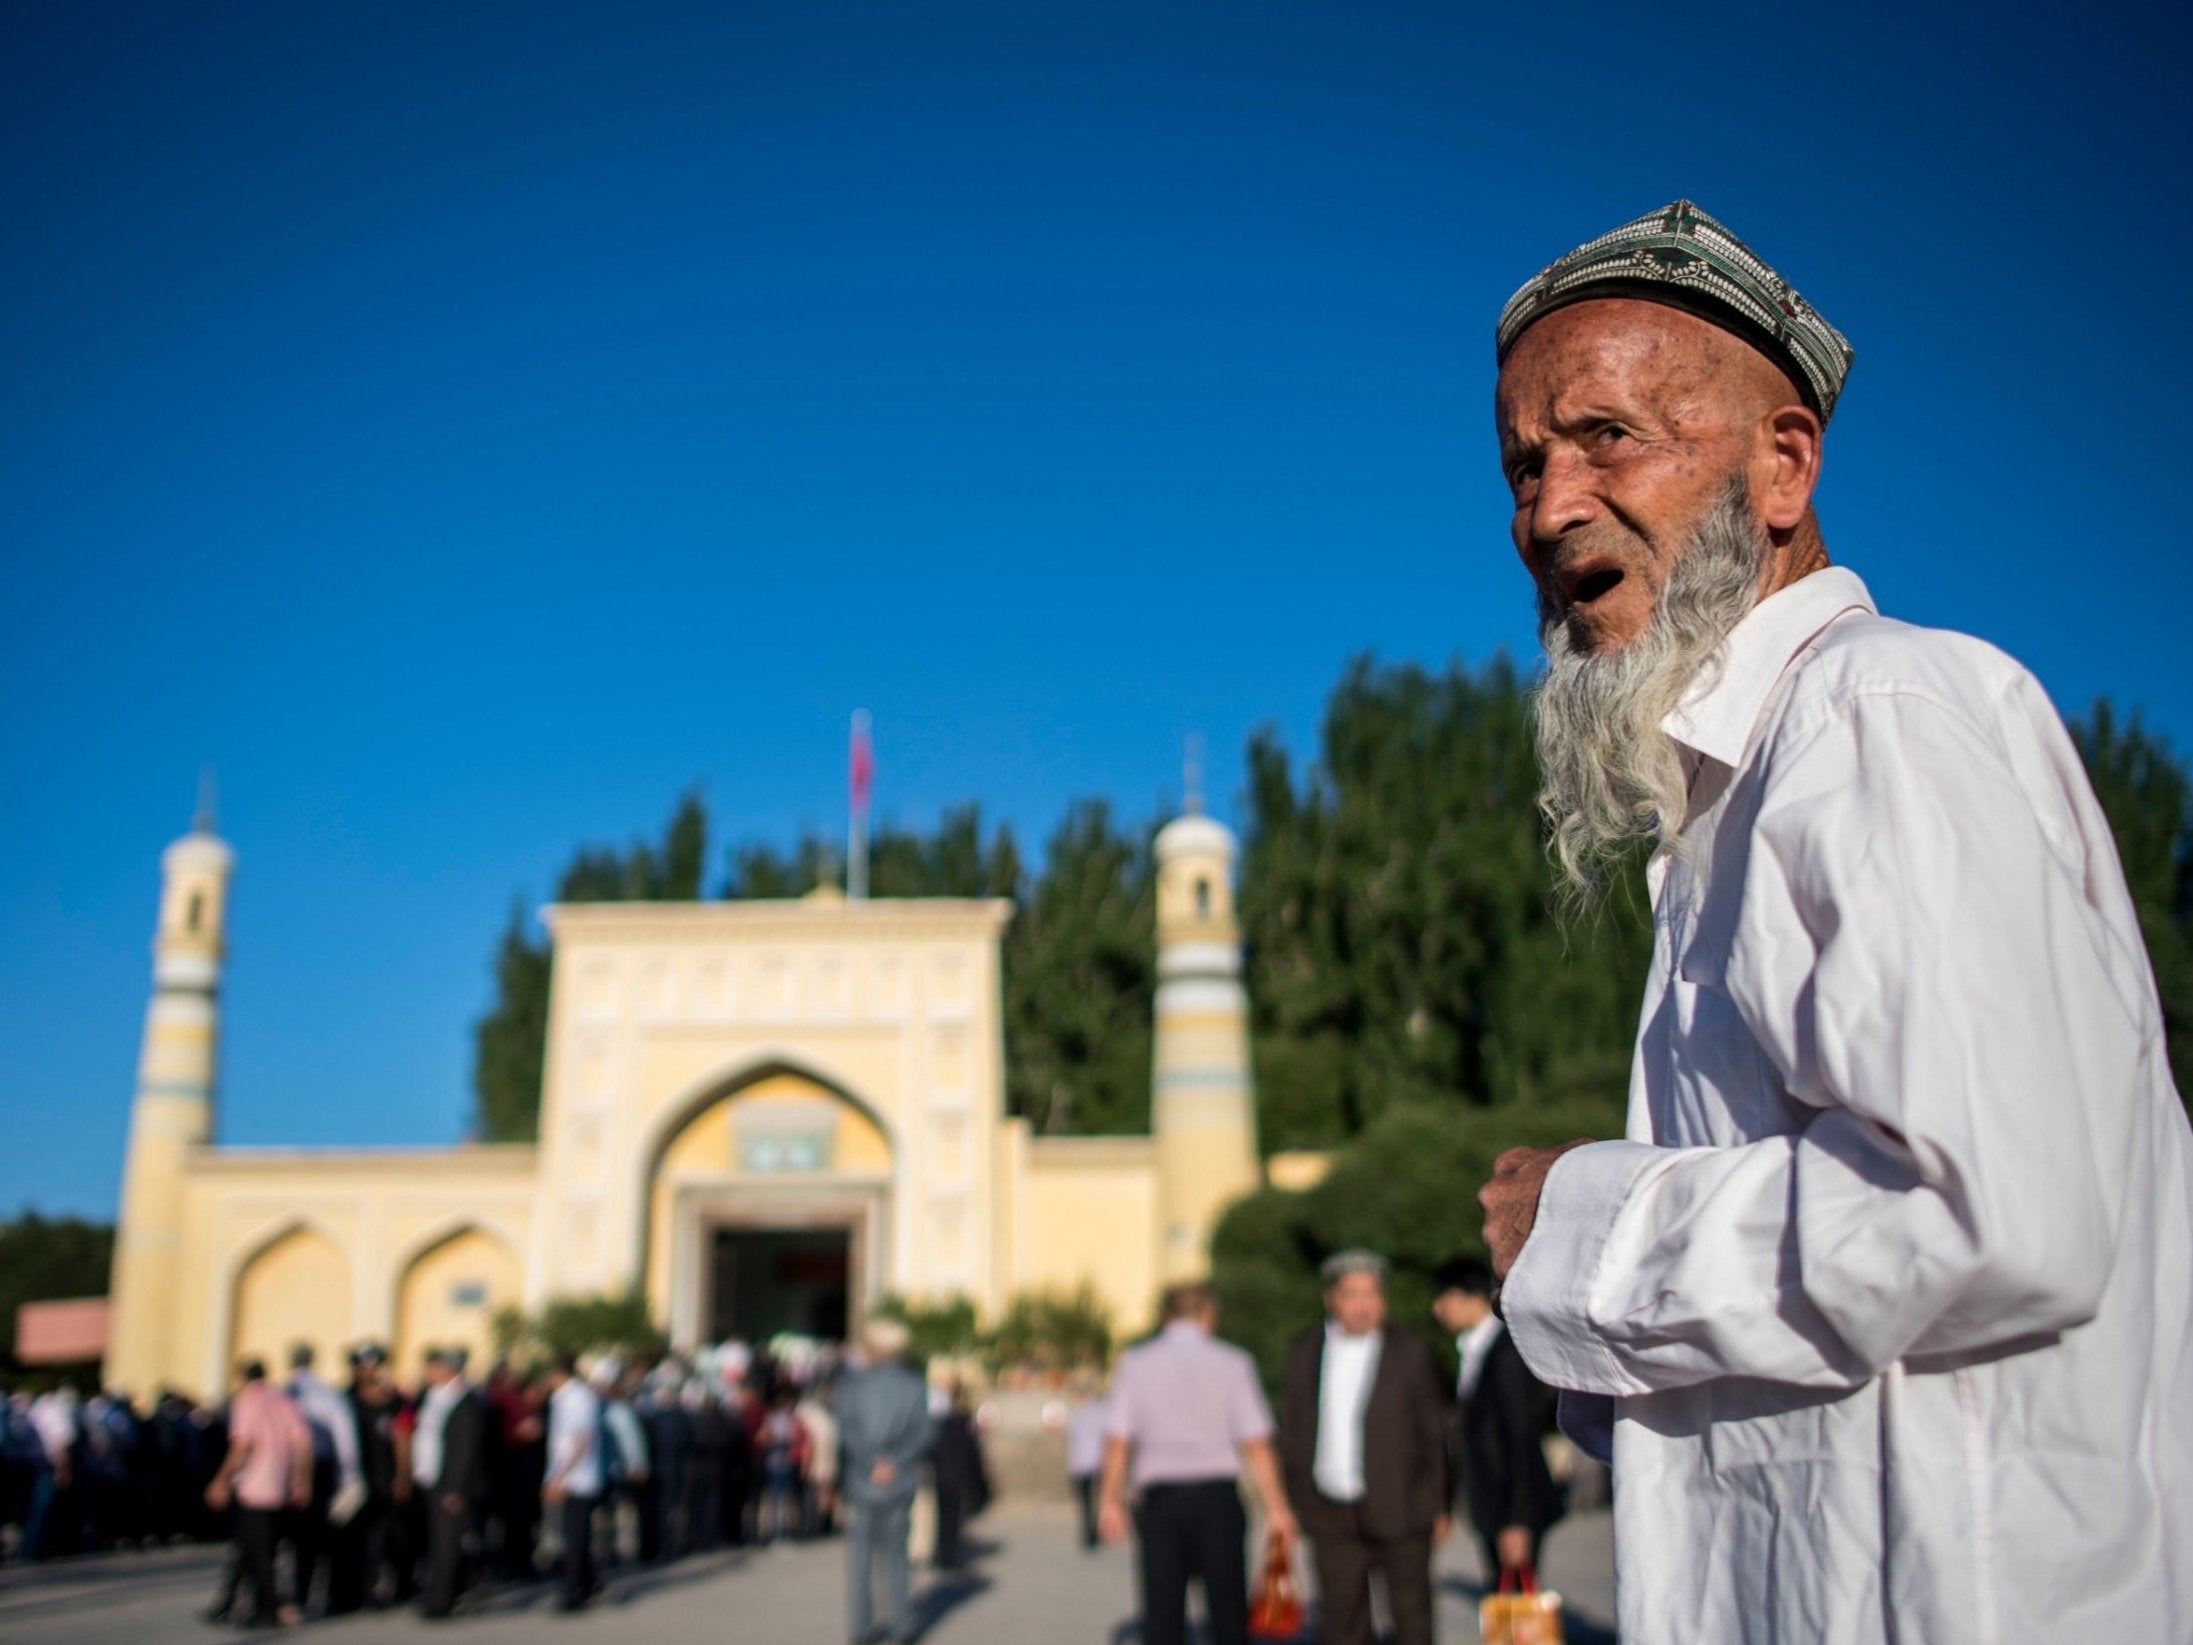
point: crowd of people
(375, 1494)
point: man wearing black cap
(1882, 1307)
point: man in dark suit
(449, 1462)
(1499, 1427)
(1363, 1439)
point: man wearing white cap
(1886, 1303)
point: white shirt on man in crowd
(1349, 1366)
(426, 1440)
(1472, 1348)
(574, 1439)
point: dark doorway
(766, 1280)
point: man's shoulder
(1865, 657)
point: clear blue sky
(466, 426)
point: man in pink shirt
(268, 1468)
(1187, 1418)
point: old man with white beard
(1885, 1306)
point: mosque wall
(248, 1284)
(1085, 1210)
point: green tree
(2145, 793)
(1080, 976)
(1062, 1330)
(49, 1259)
(1403, 942)
(580, 1325)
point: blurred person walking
(54, 1417)
(449, 1469)
(625, 1462)
(364, 1547)
(266, 1473)
(1085, 1433)
(783, 1447)
(708, 1438)
(1187, 1417)
(884, 1434)
(30, 1475)
(665, 1531)
(338, 1486)
(1363, 1432)
(516, 1466)
(962, 1478)
(821, 1424)
(574, 1479)
(1499, 1429)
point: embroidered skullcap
(1683, 258)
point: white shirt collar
(1717, 714)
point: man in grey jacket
(883, 1435)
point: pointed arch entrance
(767, 1209)
(293, 1289)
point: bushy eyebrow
(1578, 420)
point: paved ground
(1031, 1586)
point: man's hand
(452, 1503)
(1442, 1527)
(1112, 1523)
(553, 1492)
(1280, 1526)
(884, 1472)
(217, 1495)
(1513, 1545)
(1510, 1200)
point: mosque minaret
(1202, 1102)
(173, 1110)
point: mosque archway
(447, 1296)
(767, 1200)
(295, 1288)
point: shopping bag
(1275, 1610)
(1518, 1614)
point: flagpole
(862, 772)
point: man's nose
(1564, 501)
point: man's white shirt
(1343, 1391)
(1472, 1348)
(1887, 1302)
(574, 1439)
(426, 1440)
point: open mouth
(1588, 584)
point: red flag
(863, 770)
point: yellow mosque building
(767, 1115)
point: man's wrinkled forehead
(1620, 355)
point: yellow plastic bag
(1518, 1614)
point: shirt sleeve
(1247, 1414)
(1918, 959)
(1119, 1414)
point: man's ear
(1786, 467)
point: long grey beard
(1609, 774)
